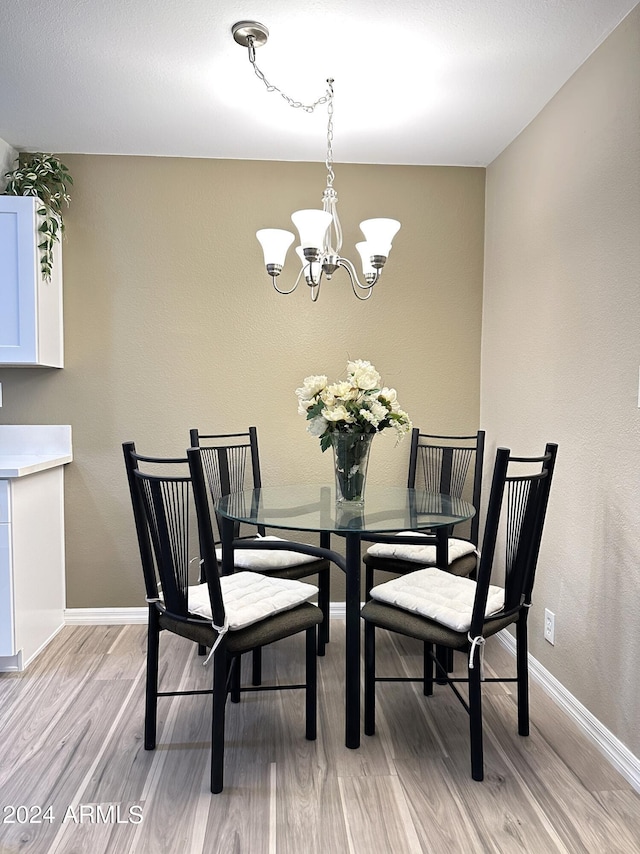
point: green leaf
(325, 442)
(315, 410)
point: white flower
(378, 410)
(370, 417)
(404, 425)
(343, 390)
(311, 386)
(363, 375)
(391, 396)
(303, 406)
(316, 426)
(338, 413)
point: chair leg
(220, 669)
(324, 592)
(311, 693)
(202, 650)
(522, 664)
(368, 582)
(235, 666)
(369, 678)
(151, 691)
(256, 666)
(427, 668)
(475, 720)
(443, 656)
(324, 599)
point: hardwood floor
(72, 740)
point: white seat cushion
(263, 560)
(250, 597)
(438, 595)
(424, 555)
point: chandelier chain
(329, 160)
(327, 99)
(271, 87)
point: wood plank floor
(71, 739)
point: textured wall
(172, 323)
(560, 357)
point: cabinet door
(18, 297)
(30, 308)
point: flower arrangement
(357, 405)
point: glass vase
(351, 457)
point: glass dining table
(386, 511)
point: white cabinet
(30, 308)
(32, 564)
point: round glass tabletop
(313, 508)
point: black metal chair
(232, 463)
(449, 464)
(231, 615)
(460, 613)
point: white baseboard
(105, 616)
(129, 616)
(613, 749)
(17, 663)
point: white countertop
(18, 465)
(30, 448)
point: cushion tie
(222, 630)
(478, 641)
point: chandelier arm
(297, 281)
(314, 280)
(353, 276)
(357, 295)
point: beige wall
(172, 323)
(560, 357)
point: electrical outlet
(549, 626)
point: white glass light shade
(312, 226)
(364, 250)
(274, 242)
(300, 254)
(379, 233)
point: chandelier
(320, 231)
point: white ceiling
(416, 81)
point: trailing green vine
(47, 178)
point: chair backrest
(204, 513)
(169, 534)
(515, 516)
(449, 464)
(230, 462)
